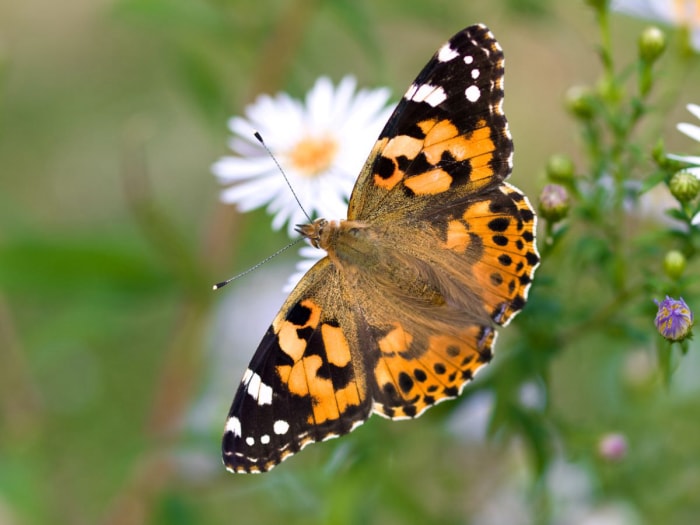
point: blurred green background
(118, 362)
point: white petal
(694, 109)
(230, 169)
(369, 106)
(242, 127)
(278, 120)
(690, 130)
(319, 102)
(694, 171)
(343, 100)
(331, 203)
(695, 220)
(310, 256)
(280, 218)
(690, 159)
(245, 148)
(250, 195)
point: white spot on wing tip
(233, 424)
(250, 441)
(410, 92)
(468, 59)
(280, 427)
(432, 95)
(264, 439)
(472, 93)
(258, 390)
(446, 53)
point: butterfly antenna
(266, 259)
(262, 142)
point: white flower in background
(309, 257)
(681, 13)
(321, 144)
(692, 131)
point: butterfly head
(314, 232)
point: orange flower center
(313, 155)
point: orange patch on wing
(336, 344)
(287, 334)
(315, 316)
(389, 183)
(397, 340)
(457, 236)
(479, 141)
(403, 146)
(440, 132)
(321, 390)
(429, 183)
(426, 125)
(481, 149)
(477, 210)
(348, 396)
(303, 379)
(437, 372)
(290, 342)
(378, 151)
(382, 374)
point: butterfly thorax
(360, 250)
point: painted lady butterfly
(437, 250)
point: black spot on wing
(299, 315)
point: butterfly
(436, 252)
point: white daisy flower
(680, 13)
(321, 144)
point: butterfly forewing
(448, 137)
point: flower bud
(652, 43)
(554, 203)
(560, 168)
(579, 101)
(674, 264)
(684, 186)
(613, 447)
(674, 320)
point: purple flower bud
(613, 447)
(554, 203)
(674, 320)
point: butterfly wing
(306, 381)
(448, 138)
